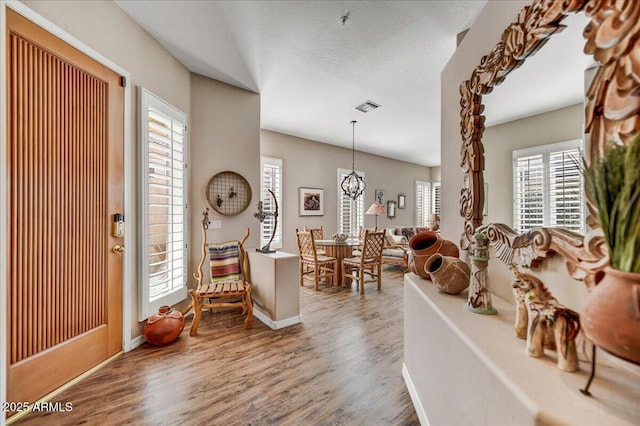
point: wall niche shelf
(464, 368)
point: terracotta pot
(449, 274)
(424, 245)
(611, 314)
(164, 327)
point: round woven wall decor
(228, 193)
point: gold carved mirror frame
(612, 114)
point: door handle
(117, 249)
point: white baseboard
(275, 325)
(417, 405)
(136, 341)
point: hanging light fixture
(353, 185)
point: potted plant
(611, 315)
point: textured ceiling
(311, 70)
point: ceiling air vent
(367, 106)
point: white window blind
(548, 187)
(423, 202)
(350, 212)
(529, 192)
(271, 180)
(435, 187)
(566, 206)
(163, 241)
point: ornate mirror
(611, 114)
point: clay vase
(164, 327)
(449, 274)
(611, 314)
(425, 244)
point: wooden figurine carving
(544, 322)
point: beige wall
(482, 37)
(499, 142)
(225, 135)
(314, 164)
(104, 27)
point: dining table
(340, 250)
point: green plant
(613, 183)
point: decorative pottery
(611, 315)
(424, 245)
(449, 274)
(164, 327)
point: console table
(276, 291)
(465, 368)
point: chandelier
(353, 185)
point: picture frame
(391, 209)
(379, 195)
(310, 201)
(402, 201)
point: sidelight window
(163, 206)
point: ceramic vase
(425, 244)
(449, 274)
(611, 315)
(164, 327)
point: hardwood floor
(341, 366)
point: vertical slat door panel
(64, 146)
(79, 235)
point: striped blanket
(224, 259)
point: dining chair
(314, 266)
(317, 235)
(361, 234)
(367, 267)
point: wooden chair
(317, 235)
(314, 266)
(361, 234)
(395, 254)
(367, 267)
(230, 284)
(317, 232)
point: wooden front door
(65, 167)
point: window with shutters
(350, 212)
(423, 202)
(547, 187)
(271, 180)
(162, 211)
(435, 203)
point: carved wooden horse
(549, 324)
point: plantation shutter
(547, 188)
(163, 246)
(350, 212)
(565, 190)
(436, 197)
(423, 202)
(271, 179)
(529, 192)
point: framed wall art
(379, 195)
(391, 209)
(310, 201)
(402, 201)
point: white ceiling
(311, 70)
